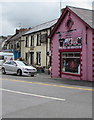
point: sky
(16, 14)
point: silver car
(18, 67)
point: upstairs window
(11, 46)
(27, 41)
(15, 46)
(32, 40)
(38, 39)
(18, 45)
(44, 38)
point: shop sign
(75, 42)
(71, 40)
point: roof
(17, 36)
(42, 26)
(84, 14)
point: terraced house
(13, 43)
(35, 48)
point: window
(18, 45)
(38, 39)
(8, 63)
(11, 46)
(38, 58)
(26, 56)
(69, 23)
(15, 46)
(71, 62)
(27, 41)
(43, 38)
(13, 63)
(32, 40)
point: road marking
(54, 85)
(35, 95)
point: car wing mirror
(15, 64)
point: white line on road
(35, 95)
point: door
(11, 67)
(32, 58)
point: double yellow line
(46, 84)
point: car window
(13, 63)
(21, 63)
(8, 63)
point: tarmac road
(44, 97)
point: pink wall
(86, 50)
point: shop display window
(71, 62)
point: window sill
(72, 74)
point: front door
(32, 58)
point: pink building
(72, 45)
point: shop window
(71, 62)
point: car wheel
(19, 72)
(32, 75)
(3, 71)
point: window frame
(39, 39)
(71, 73)
(38, 58)
(32, 40)
(27, 41)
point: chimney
(17, 31)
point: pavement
(68, 81)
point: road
(44, 97)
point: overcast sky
(29, 13)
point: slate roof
(17, 36)
(42, 26)
(85, 14)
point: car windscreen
(21, 63)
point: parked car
(18, 67)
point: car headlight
(26, 69)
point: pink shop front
(72, 46)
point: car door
(13, 67)
(6, 65)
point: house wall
(86, 53)
(22, 46)
(93, 55)
(43, 48)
